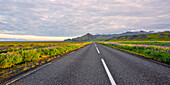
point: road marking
(27, 74)
(72, 52)
(108, 73)
(97, 49)
(94, 44)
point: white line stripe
(108, 73)
(97, 48)
(72, 52)
(27, 74)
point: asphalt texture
(84, 67)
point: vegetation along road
(96, 64)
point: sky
(62, 19)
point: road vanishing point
(96, 64)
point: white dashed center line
(97, 48)
(108, 73)
(106, 68)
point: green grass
(148, 43)
(13, 57)
(155, 53)
(163, 36)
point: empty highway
(96, 64)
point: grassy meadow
(156, 50)
(14, 53)
(162, 36)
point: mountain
(162, 36)
(122, 34)
(127, 36)
(87, 37)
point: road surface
(96, 64)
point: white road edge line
(72, 52)
(97, 49)
(108, 73)
(27, 74)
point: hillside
(162, 36)
(87, 37)
(122, 34)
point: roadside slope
(163, 36)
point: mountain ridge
(161, 36)
(127, 36)
(86, 37)
(122, 34)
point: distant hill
(122, 34)
(162, 36)
(87, 37)
(127, 36)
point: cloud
(10, 32)
(68, 18)
(31, 37)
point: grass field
(14, 53)
(155, 43)
(159, 51)
(162, 36)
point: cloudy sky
(61, 19)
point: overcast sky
(60, 19)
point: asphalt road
(92, 65)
